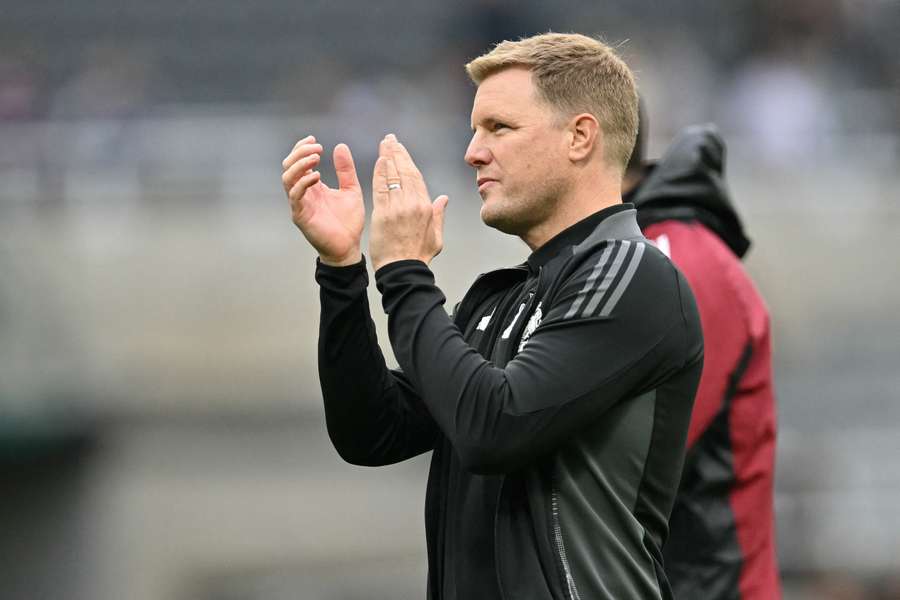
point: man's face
(519, 152)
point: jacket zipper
(560, 547)
(497, 538)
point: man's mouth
(484, 182)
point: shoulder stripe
(607, 280)
(626, 279)
(592, 278)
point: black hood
(688, 183)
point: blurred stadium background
(161, 435)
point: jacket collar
(613, 222)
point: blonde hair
(574, 74)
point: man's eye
(499, 126)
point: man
(722, 535)
(556, 400)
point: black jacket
(688, 184)
(556, 401)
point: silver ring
(393, 186)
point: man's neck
(585, 201)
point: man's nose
(477, 154)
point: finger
(383, 146)
(410, 175)
(402, 156)
(393, 182)
(439, 208)
(307, 140)
(298, 169)
(345, 169)
(302, 164)
(379, 184)
(303, 184)
(300, 151)
(310, 139)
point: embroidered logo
(532, 324)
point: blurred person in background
(722, 534)
(557, 398)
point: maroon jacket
(722, 541)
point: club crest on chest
(532, 324)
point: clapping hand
(330, 219)
(405, 223)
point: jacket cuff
(351, 277)
(398, 279)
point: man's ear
(586, 137)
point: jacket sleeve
(374, 416)
(594, 347)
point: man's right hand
(331, 219)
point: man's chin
(489, 216)
(498, 220)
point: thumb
(438, 208)
(345, 169)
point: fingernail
(391, 137)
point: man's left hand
(406, 224)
